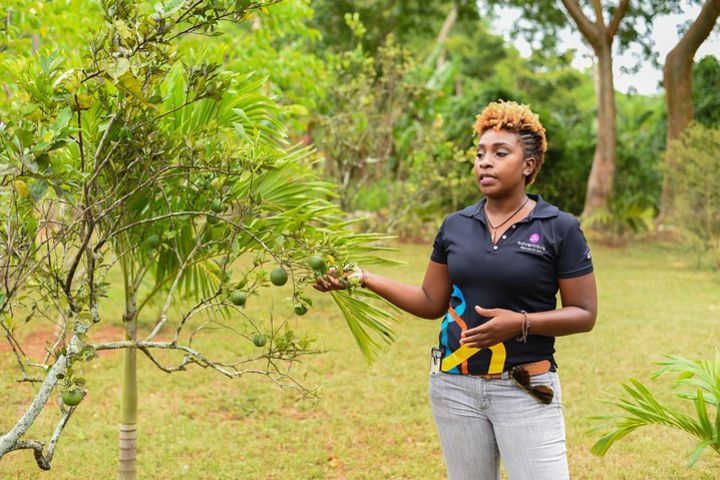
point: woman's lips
(487, 180)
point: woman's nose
(484, 161)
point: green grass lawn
(374, 422)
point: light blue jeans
(479, 421)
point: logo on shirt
(532, 245)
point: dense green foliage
(371, 91)
(706, 85)
(478, 68)
(696, 187)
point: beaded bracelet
(525, 327)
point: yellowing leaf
(84, 102)
(21, 188)
(130, 84)
(123, 31)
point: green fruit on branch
(217, 206)
(72, 397)
(279, 277)
(301, 310)
(238, 297)
(212, 220)
(317, 263)
(259, 340)
(153, 241)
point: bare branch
(10, 439)
(599, 17)
(36, 447)
(586, 27)
(619, 14)
(698, 31)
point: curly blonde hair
(517, 118)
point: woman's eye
(480, 156)
(502, 154)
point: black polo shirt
(519, 272)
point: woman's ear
(529, 167)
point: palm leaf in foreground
(643, 408)
(363, 318)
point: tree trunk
(445, 30)
(128, 421)
(602, 173)
(677, 81)
(128, 402)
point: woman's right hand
(330, 280)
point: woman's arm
(430, 300)
(579, 299)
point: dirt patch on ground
(34, 343)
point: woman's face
(500, 163)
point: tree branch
(599, 17)
(168, 299)
(586, 27)
(619, 14)
(699, 30)
(9, 440)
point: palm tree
(643, 408)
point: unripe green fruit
(301, 310)
(72, 397)
(153, 241)
(279, 277)
(212, 220)
(317, 263)
(217, 206)
(259, 340)
(238, 297)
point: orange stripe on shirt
(463, 327)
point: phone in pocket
(435, 358)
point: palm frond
(643, 408)
(366, 321)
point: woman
(494, 272)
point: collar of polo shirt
(542, 209)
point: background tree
(600, 35)
(413, 23)
(627, 21)
(677, 81)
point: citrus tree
(175, 173)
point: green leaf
(365, 322)
(695, 455)
(170, 7)
(62, 120)
(702, 414)
(117, 67)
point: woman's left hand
(503, 324)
